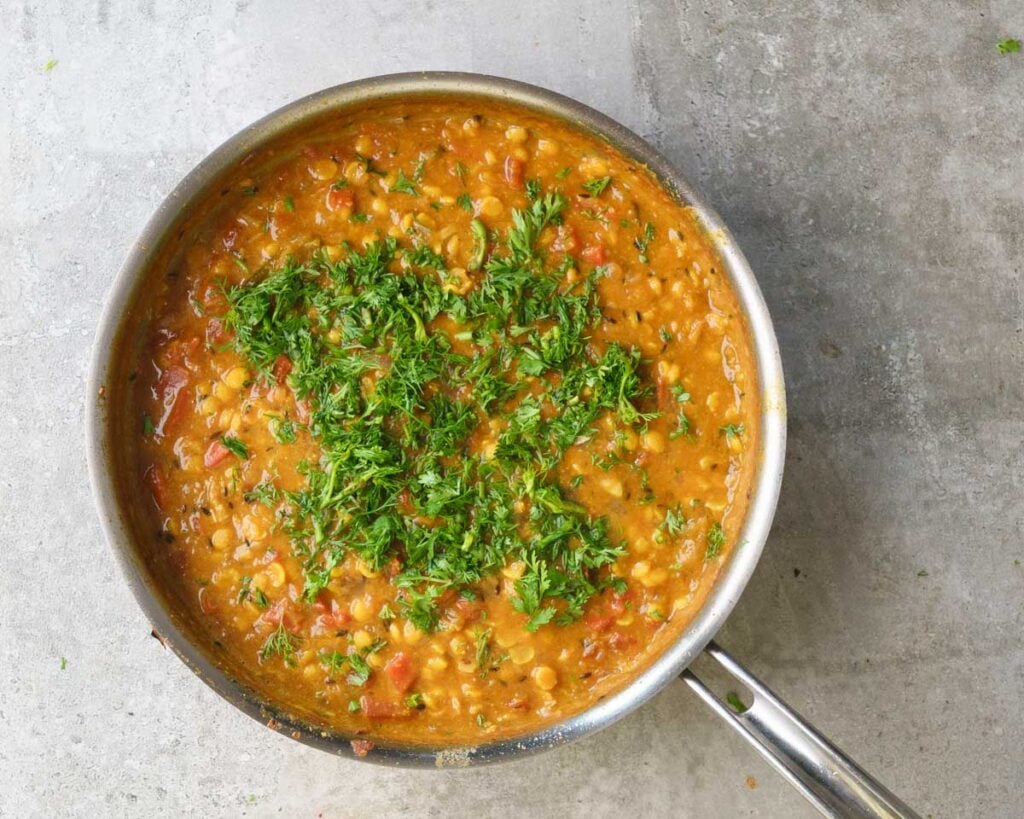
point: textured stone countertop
(869, 161)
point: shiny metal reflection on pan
(821, 772)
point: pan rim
(765, 486)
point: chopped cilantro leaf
(643, 241)
(595, 187)
(731, 431)
(716, 540)
(360, 672)
(235, 446)
(404, 185)
(281, 643)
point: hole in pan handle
(829, 779)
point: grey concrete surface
(869, 158)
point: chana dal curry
(446, 421)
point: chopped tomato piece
(171, 380)
(341, 198)
(467, 611)
(213, 299)
(664, 391)
(216, 333)
(373, 708)
(333, 618)
(593, 254)
(281, 613)
(595, 623)
(182, 353)
(282, 366)
(361, 747)
(215, 455)
(157, 483)
(401, 672)
(513, 171)
(618, 602)
(169, 386)
(620, 641)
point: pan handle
(829, 779)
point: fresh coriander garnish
(716, 540)
(731, 431)
(643, 240)
(1010, 45)
(674, 523)
(289, 204)
(265, 493)
(359, 217)
(283, 429)
(532, 189)
(368, 165)
(147, 425)
(476, 259)
(563, 173)
(464, 201)
(360, 672)
(235, 446)
(256, 595)
(483, 650)
(333, 661)
(281, 643)
(404, 185)
(402, 451)
(595, 187)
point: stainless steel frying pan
(829, 779)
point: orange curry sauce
(461, 577)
